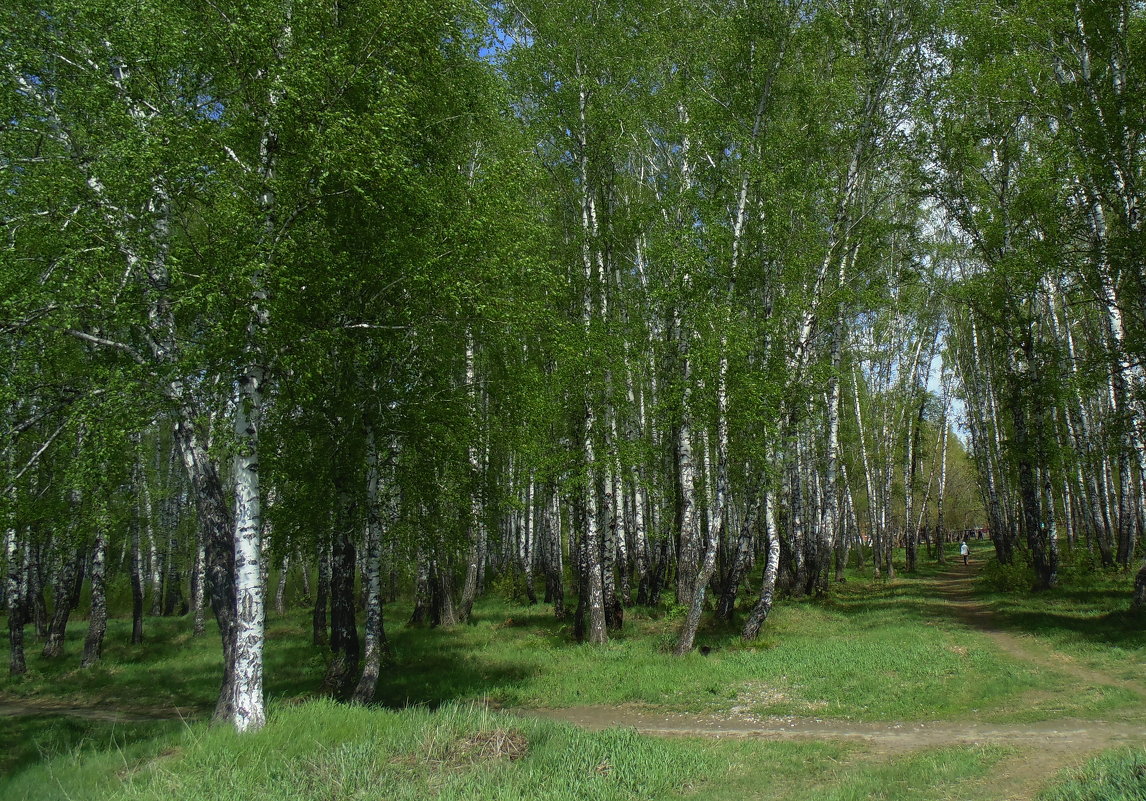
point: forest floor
(1040, 748)
(931, 687)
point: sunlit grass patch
(1115, 776)
(872, 650)
(320, 750)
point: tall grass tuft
(1115, 776)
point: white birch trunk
(594, 581)
(17, 604)
(248, 713)
(475, 554)
(940, 510)
(198, 584)
(763, 605)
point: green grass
(172, 671)
(1087, 617)
(320, 751)
(872, 651)
(28, 740)
(1115, 776)
(885, 650)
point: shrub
(1015, 577)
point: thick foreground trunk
(64, 596)
(215, 532)
(248, 712)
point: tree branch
(107, 343)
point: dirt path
(1044, 748)
(954, 587)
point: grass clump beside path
(321, 751)
(1115, 776)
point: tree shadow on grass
(171, 674)
(29, 739)
(1090, 615)
(434, 666)
(1118, 629)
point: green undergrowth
(873, 650)
(1086, 617)
(830, 660)
(1114, 776)
(171, 673)
(319, 751)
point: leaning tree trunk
(687, 636)
(763, 605)
(64, 598)
(740, 562)
(715, 530)
(216, 536)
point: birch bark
(17, 604)
(763, 605)
(594, 580)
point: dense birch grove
(610, 304)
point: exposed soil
(1043, 748)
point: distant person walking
(964, 550)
